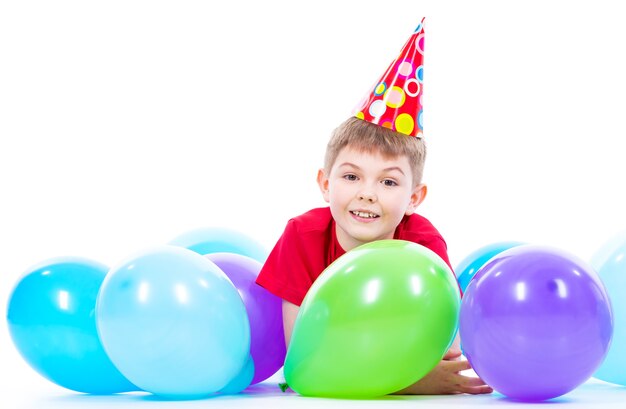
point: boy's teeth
(362, 214)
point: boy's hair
(367, 137)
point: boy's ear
(417, 197)
(322, 181)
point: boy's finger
(470, 381)
(476, 390)
(458, 366)
(452, 354)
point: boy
(373, 189)
(372, 182)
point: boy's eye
(389, 182)
(350, 177)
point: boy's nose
(367, 196)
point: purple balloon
(267, 340)
(535, 322)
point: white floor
(23, 388)
(267, 395)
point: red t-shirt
(309, 245)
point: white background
(126, 123)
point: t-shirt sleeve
(439, 246)
(285, 272)
(419, 230)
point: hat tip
(420, 26)
(395, 101)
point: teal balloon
(242, 380)
(221, 240)
(468, 267)
(51, 321)
(173, 323)
(610, 263)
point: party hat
(395, 101)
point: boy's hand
(445, 379)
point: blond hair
(367, 137)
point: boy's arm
(290, 312)
(455, 348)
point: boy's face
(368, 195)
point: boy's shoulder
(315, 220)
(416, 224)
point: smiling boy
(372, 181)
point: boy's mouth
(364, 215)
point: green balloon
(375, 321)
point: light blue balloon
(468, 267)
(52, 324)
(173, 323)
(608, 250)
(242, 380)
(220, 240)
(610, 263)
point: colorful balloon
(51, 321)
(173, 323)
(468, 267)
(610, 262)
(376, 320)
(220, 240)
(241, 381)
(536, 322)
(267, 339)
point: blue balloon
(242, 380)
(51, 321)
(610, 263)
(468, 267)
(220, 240)
(173, 323)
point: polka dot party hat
(395, 102)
